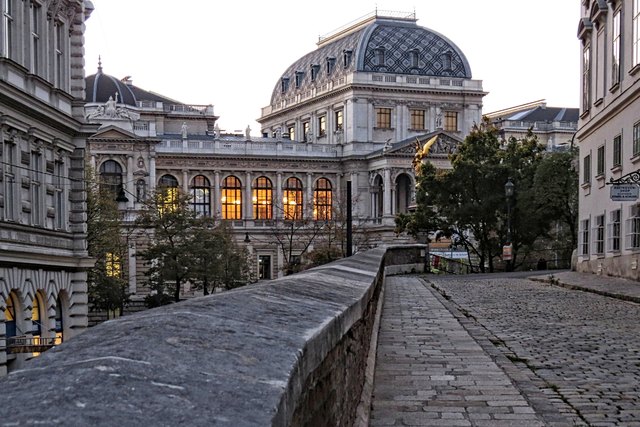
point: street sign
(507, 252)
(625, 192)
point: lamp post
(507, 249)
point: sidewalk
(614, 287)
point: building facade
(43, 256)
(609, 137)
(351, 113)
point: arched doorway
(378, 197)
(403, 193)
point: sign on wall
(624, 192)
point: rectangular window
(264, 267)
(305, 131)
(451, 121)
(292, 132)
(586, 78)
(35, 39)
(322, 126)
(417, 119)
(636, 139)
(598, 235)
(383, 118)
(614, 230)
(615, 50)
(586, 169)
(636, 32)
(617, 151)
(600, 161)
(10, 182)
(7, 28)
(36, 185)
(584, 237)
(633, 228)
(59, 56)
(339, 116)
(60, 207)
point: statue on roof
(247, 133)
(110, 106)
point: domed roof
(100, 86)
(378, 44)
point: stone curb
(557, 282)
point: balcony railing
(24, 344)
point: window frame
(262, 198)
(615, 229)
(418, 118)
(322, 200)
(450, 121)
(617, 151)
(616, 52)
(598, 234)
(600, 161)
(293, 190)
(201, 196)
(322, 125)
(383, 118)
(339, 120)
(231, 198)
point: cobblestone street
(497, 350)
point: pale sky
(232, 53)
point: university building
(609, 137)
(348, 114)
(43, 256)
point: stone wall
(286, 352)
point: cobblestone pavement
(431, 371)
(582, 350)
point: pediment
(113, 132)
(445, 144)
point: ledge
(258, 355)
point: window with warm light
(231, 198)
(322, 200)
(292, 200)
(169, 191)
(339, 120)
(201, 196)
(262, 198)
(112, 265)
(36, 325)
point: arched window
(169, 189)
(446, 61)
(111, 177)
(201, 196)
(231, 198)
(378, 193)
(379, 56)
(413, 58)
(38, 316)
(292, 201)
(322, 200)
(262, 198)
(10, 318)
(403, 193)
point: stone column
(185, 181)
(129, 186)
(279, 205)
(132, 268)
(152, 174)
(217, 202)
(248, 205)
(309, 195)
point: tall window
(60, 206)
(331, 62)
(262, 198)
(201, 196)
(413, 58)
(339, 119)
(306, 128)
(10, 316)
(636, 139)
(346, 57)
(417, 119)
(7, 28)
(600, 161)
(315, 70)
(169, 189)
(113, 265)
(111, 177)
(451, 121)
(586, 169)
(35, 38)
(614, 230)
(36, 188)
(292, 132)
(584, 237)
(598, 235)
(59, 55)
(231, 198)
(617, 151)
(383, 118)
(322, 200)
(379, 56)
(633, 228)
(322, 126)
(292, 199)
(615, 49)
(299, 75)
(285, 84)
(636, 32)
(10, 183)
(586, 78)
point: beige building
(609, 138)
(43, 256)
(350, 112)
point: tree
(106, 243)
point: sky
(231, 54)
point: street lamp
(507, 249)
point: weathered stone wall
(287, 352)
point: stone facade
(43, 261)
(609, 137)
(348, 121)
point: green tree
(106, 243)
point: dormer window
(379, 56)
(315, 70)
(331, 62)
(285, 84)
(445, 58)
(346, 57)
(413, 58)
(299, 78)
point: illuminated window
(201, 196)
(292, 199)
(111, 177)
(112, 265)
(231, 198)
(339, 116)
(36, 324)
(169, 189)
(322, 126)
(262, 198)
(417, 119)
(383, 118)
(322, 200)
(451, 121)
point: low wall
(287, 352)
